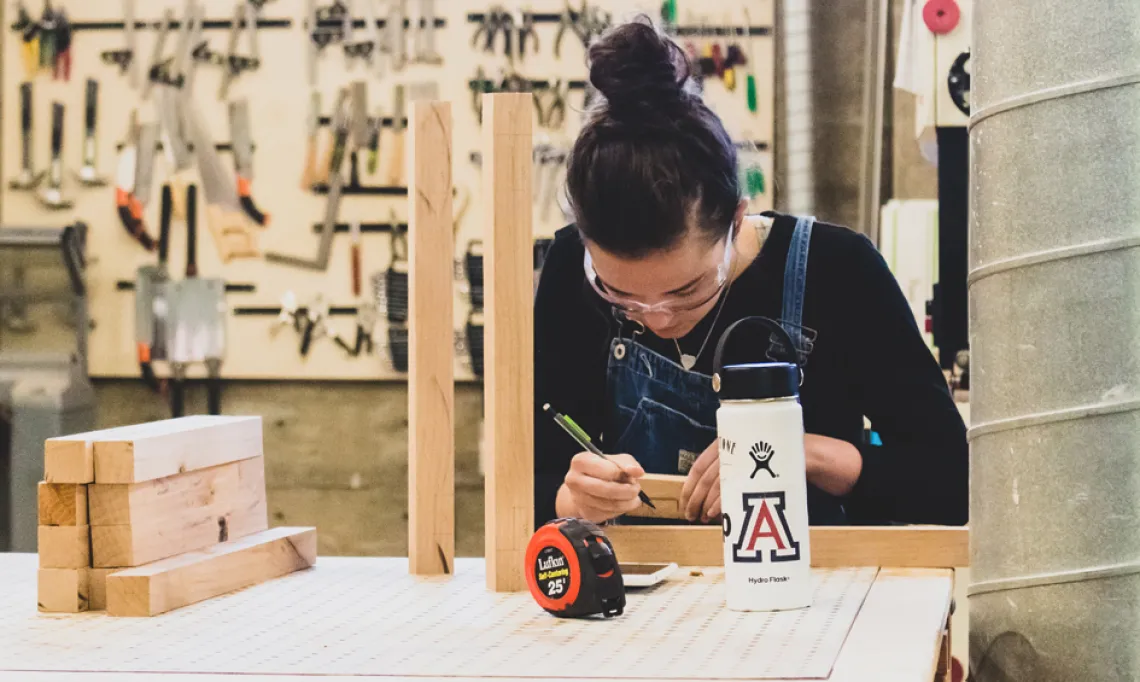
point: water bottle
(763, 480)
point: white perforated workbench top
(366, 617)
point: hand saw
(232, 236)
(133, 179)
(234, 64)
(243, 159)
(154, 67)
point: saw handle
(165, 209)
(192, 231)
(232, 236)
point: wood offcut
(174, 446)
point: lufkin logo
(765, 528)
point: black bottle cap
(758, 381)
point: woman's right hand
(602, 488)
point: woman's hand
(700, 496)
(833, 465)
(600, 488)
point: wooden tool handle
(233, 236)
(396, 160)
(309, 172)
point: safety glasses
(703, 292)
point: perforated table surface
(361, 618)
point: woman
(662, 258)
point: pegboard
(278, 94)
(355, 616)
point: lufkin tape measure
(572, 570)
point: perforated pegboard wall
(353, 616)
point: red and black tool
(572, 570)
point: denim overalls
(664, 415)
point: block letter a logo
(765, 528)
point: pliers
(495, 20)
(526, 30)
(555, 114)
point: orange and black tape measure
(572, 570)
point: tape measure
(572, 570)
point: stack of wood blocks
(139, 520)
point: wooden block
(193, 577)
(62, 504)
(431, 365)
(174, 446)
(97, 587)
(831, 546)
(508, 278)
(135, 524)
(68, 459)
(665, 491)
(62, 590)
(64, 546)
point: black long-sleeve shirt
(868, 359)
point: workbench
(367, 618)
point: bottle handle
(771, 325)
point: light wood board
(64, 546)
(62, 590)
(278, 100)
(173, 446)
(897, 546)
(431, 372)
(135, 524)
(195, 576)
(349, 615)
(509, 349)
(665, 492)
(62, 504)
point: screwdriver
(583, 439)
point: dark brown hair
(651, 158)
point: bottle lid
(758, 381)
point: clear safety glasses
(708, 289)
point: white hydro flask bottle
(763, 481)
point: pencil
(583, 439)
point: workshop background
(336, 419)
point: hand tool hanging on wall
(496, 20)
(365, 327)
(125, 58)
(312, 50)
(155, 65)
(374, 55)
(47, 37)
(424, 50)
(236, 64)
(396, 159)
(473, 266)
(61, 64)
(396, 277)
(553, 115)
(288, 315)
(396, 41)
(233, 237)
(311, 172)
(342, 126)
(352, 50)
(51, 196)
(475, 340)
(133, 179)
(151, 304)
(171, 100)
(188, 66)
(243, 159)
(354, 254)
(88, 175)
(587, 23)
(527, 33)
(29, 31)
(359, 98)
(28, 177)
(375, 127)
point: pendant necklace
(689, 361)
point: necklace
(688, 361)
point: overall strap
(795, 280)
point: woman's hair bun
(635, 66)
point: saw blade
(240, 138)
(177, 151)
(217, 184)
(182, 47)
(144, 162)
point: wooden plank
(62, 590)
(135, 524)
(508, 278)
(665, 491)
(173, 446)
(196, 576)
(898, 633)
(831, 546)
(97, 587)
(64, 546)
(62, 504)
(70, 458)
(431, 364)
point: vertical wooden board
(195, 576)
(144, 522)
(509, 346)
(97, 588)
(62, 590)
(174, 446)
(62, 504)
(64, 546)
(68, 460)
(431, 371)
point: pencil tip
(546, 407)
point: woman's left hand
(700, 496)
(833, 465)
